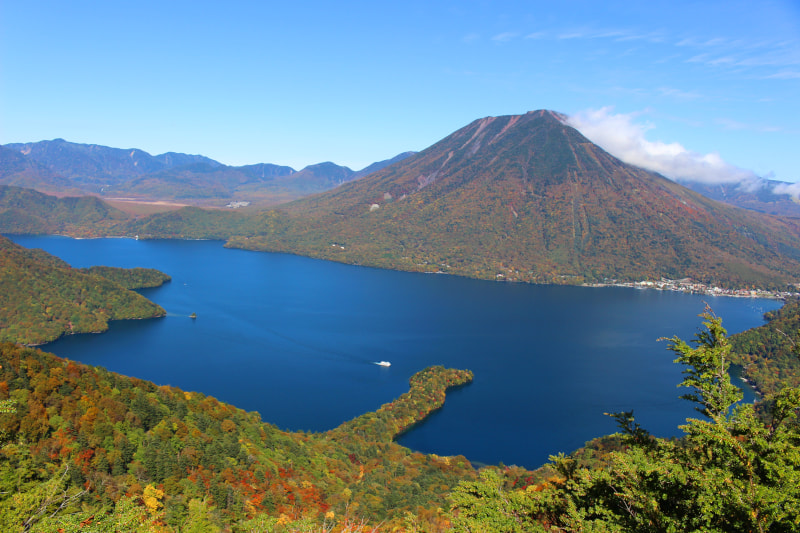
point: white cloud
(785, 75)
(792, 189)
(736, 125)
(536, 35)
(572, 35)
(619, 135)
(714, 42)
(677, 93)
(505, 37)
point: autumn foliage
(184, 455)
(43, 298)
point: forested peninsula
(85, 449)
(164, 459)
(769, 353)
(130, 278)
(43, 297)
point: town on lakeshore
(693, 287)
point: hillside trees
(28, 211)
(768, 353)
(733, 471)
(91, 437)
(130, 278)
(42, 297)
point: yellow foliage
(250, 509)
(152, 499)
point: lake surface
(296, 340)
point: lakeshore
(688, 286)
(295, 339)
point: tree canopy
(42, 297)
(732, 471)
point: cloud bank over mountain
(621, 136)
(792, 189)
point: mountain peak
(547, 113)
(528, 197)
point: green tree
(37, 501)
(200, 519)
(733, 470)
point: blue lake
(296, 340)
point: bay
(296, 339)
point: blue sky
(714, 82)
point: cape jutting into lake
(296, 339)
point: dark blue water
(295, 339)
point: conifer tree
(733, 470)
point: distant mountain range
(759, 196)
(522, 197)
(527, 197)
(60, 166)
(63, 167)
(19, 170)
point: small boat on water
(383, 363)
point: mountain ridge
(63, 166)
(760, 196)
(528, 197)
(516, 197)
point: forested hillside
(528, 198)
(31, 212)
(87, 438)
(130, 278)
(42, 297)
(769, 353)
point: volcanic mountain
(529, 198)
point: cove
(296, 339)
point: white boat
(383, 363)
